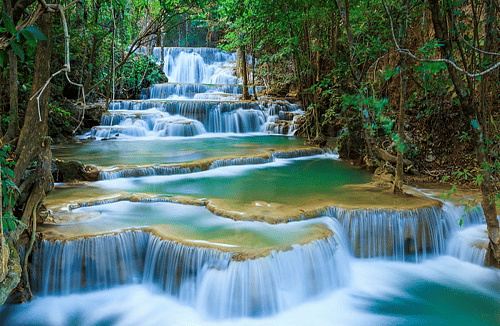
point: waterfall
(399, 234)
(178, 269)
(126, 258)
(88, 264)
(271, 284)
(141, 171)
(469, 244)
(204, 278)
(202, 96)
(187, 118)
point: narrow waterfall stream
(209, 212)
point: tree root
(26, 256)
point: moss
(13, 275)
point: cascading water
(200, 277)
(268, 285)
(400, 234)
(191, 266)
(201, 97)
(210, 288)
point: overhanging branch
(447, 61)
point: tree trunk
(246, 95)
(13, 128)
(162, 44)
(398, 181)
(91, 65)
(475, 113)
(487, 186)
(253, 72)
(442, 33)
(35, 126)
(93, 50)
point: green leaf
(461, 222)
(28, 36)
(9, 24)
(8, 172)
(36, 33)
(12, 224)
(17, 49)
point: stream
(208, 211)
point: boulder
(13, 275)
(69, 171)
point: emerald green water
(169, 150)
(190, 222)
(284, 181)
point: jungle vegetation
(409, 86)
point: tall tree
(473, 107)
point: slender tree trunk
(441, 29)
(398, 181)
(91, 65)
(254, 62)
(244, 72)
(4, 252)
(162, 45)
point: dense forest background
(410, 87)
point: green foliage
(139, 72)
(464, 136)
(56, 113)
(20, 45)
(447, 195)
(464, 174)
(374, 109)
(9, 222)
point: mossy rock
(69, 171)
(13, 275)
(4, 258)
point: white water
(469, 244)
(400, 234)
(137, 279)
(312, 277)
(199, 277)
(442, 291)
(201, 97)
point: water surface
(171, 149)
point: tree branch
(67, 66)
(453, 64)
(147, 31)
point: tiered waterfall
(201, 97)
